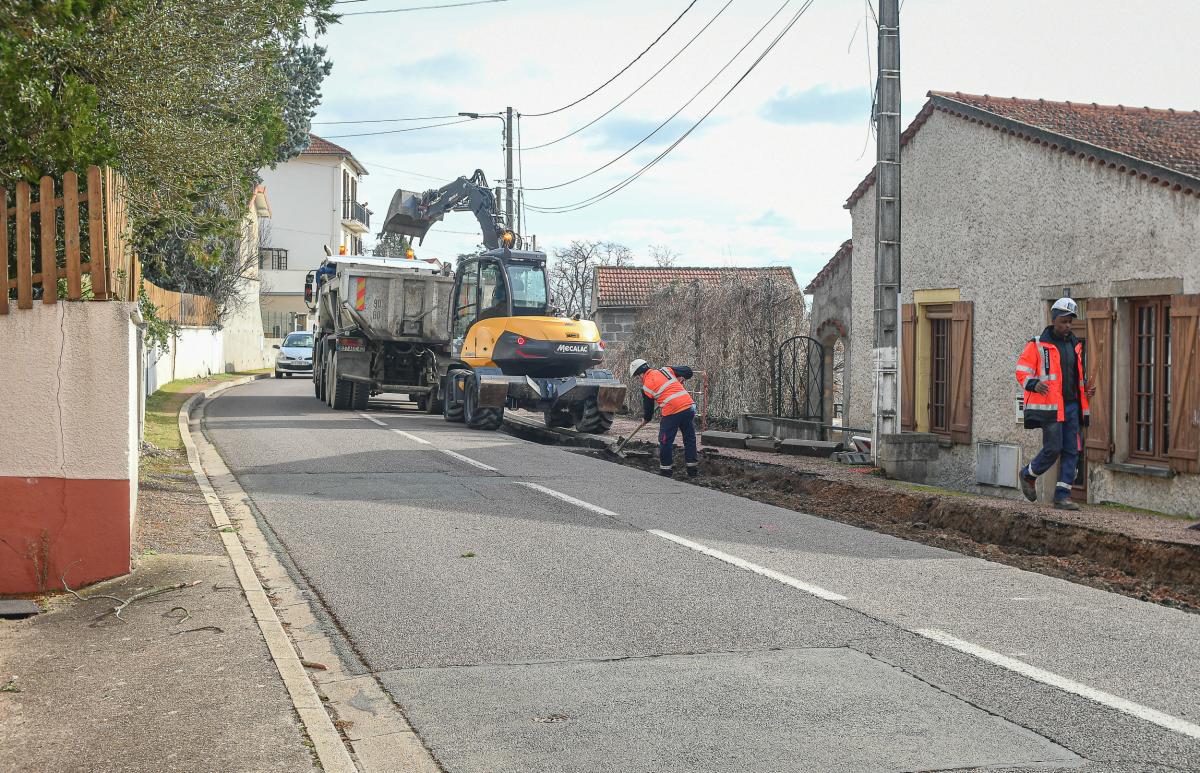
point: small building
(1008, 205)
(314, 201)
(620, 293)
(829, 324)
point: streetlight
(506, 117)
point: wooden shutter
(1098, 357)
(908, 367)
(1183, 449)
(962, 356)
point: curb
(330, 750)
(526, 428)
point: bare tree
(663, 256)
(572, 273)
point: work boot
(665, 472)
(1028, 486)
(693, 471)
(1065, 504)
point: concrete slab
(769, 444)
(724, 439)
(16, 609)
(793, 710)
(819, 448)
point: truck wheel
(453, 412)
(591, 419)
(477, 417)
(339, 389)
(432, 404)
(558, 418)
(360, 394)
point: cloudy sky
(763, 179)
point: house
(314, 201)
(829, 324)
(620, 293)
(1009, 204)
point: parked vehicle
(295, 355)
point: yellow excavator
(508, 349)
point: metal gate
(800, 379)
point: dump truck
(382, 326)
(507, 346)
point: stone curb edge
(330, 749)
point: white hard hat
(635, 366)
(1064, 306)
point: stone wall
(616, 324)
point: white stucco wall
(70, 396)
(1000, 218)
(243, 345)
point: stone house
(620, 293)
(1009, 204)
(829, 319)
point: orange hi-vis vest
(1040, 360)
(667, 390)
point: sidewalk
(183, 681)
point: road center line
(741, 563)
(411, 437)
(1137, 710)
(569, 499)
(373, 419)
(468, 460)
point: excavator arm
(413, 214)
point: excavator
(508, 347)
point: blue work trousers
(685, 422)
(1060, 440)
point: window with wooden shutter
(908, 367)
(962, 357)
(1098, 358)
(1183, 452)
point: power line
(629, 180)
(621, 71)
(385, 120)
(639, 88)
(402, 171)
(400, 131)
(672, 117)
(421, 7)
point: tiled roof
(631, 286)
(319, 146)
(1162, 146)
(843, 252)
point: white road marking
(741, 563)
(468, 460)
(1137, 710)
(411, 437)
(569, 499)
(372, 418)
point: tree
(390, 245)
(663, 256)
(572, 273)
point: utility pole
(887, 227)
(508, 169)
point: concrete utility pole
(508, 170)
(887, 226)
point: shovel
(625, 440)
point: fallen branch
(117, 610)
(186, 614)
(63, 580)
(215, 628)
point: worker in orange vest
(663, 388)
(1050, 370)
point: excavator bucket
(404, 216)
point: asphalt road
(532, 609)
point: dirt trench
(1161, 572)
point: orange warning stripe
(360, 300)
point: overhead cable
(386, 120)
(400, 131)
(421, 8)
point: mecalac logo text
(572, 348)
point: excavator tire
(591, 419)
(476, 417)
(453, 412)
(360, 394)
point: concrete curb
(528, 428)
(327, 742)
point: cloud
(819, 104)
(624, 132)
(771, 219)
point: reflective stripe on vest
(670, 380)
(672, 397)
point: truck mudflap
(497, 390)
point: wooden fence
(181, 308)
(83, 231)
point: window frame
(1160, 390)
(938, 316)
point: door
(466, 306)
(1079, 488)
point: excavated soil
(1151, 570)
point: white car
(295, 355)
